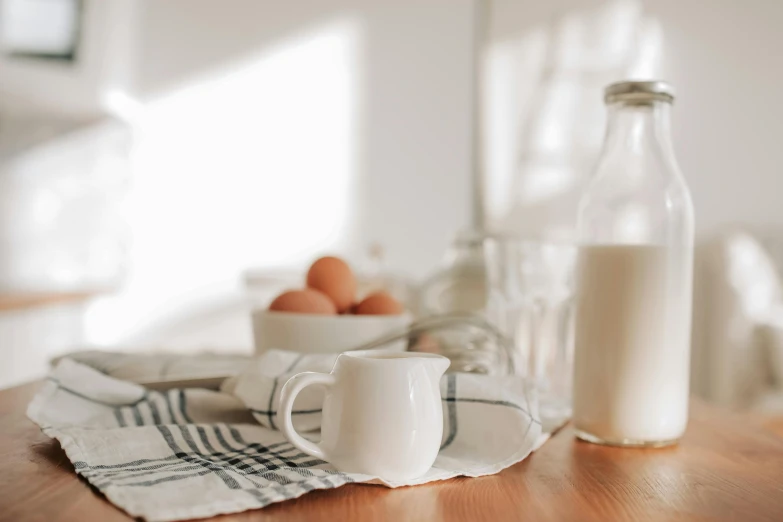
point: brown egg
(307, 301)
(333, 277)
(379, 303)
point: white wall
(409, 93)
(724, 58)
(407, 179)
(550, 61)
(268, 132)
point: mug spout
(437, 366)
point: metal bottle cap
(639, 92)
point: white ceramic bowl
(310, 333)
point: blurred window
(41, 29)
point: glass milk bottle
(634, 279)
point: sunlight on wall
(545, 118)
(253, 167)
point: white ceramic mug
(382, 414)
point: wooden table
(22, 300)
(724, 469)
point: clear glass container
(459, 286)
(530, 300)
(459, 290)
(634, 279)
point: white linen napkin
(193, 453)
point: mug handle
(287, 396)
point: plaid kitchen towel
(193, 453)
(164, 368)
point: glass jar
(634, 279)
(459, 286)
(457, 294)
(530, 300)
